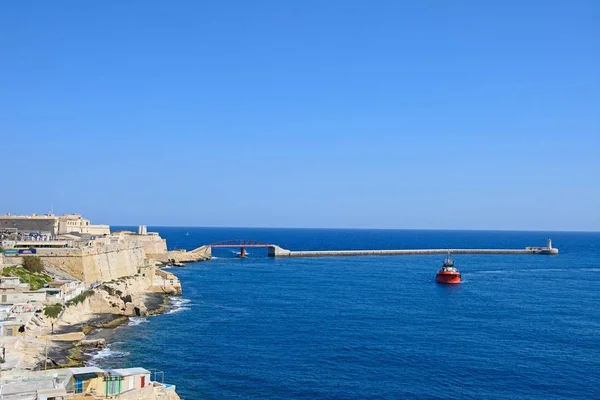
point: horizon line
(362, 229)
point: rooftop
(129, 371)
(86, 370)
(58, 284)
(8, 215)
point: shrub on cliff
(110, 290)
(33, 264)
(79, 299)
(52, 310)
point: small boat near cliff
(448, 273)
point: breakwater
(340, 253)
(276, 251)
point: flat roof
(52, 392)
(86, 370)
(57, 284)
(129, 371)
(27, 216)
(9, 322)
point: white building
(63, 291)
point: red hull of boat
(446, 277)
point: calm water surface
(519, 327)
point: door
(78, 386)
(143, 381)
(113, 386)
(131, 382)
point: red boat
(448, 273)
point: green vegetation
(52, 310)
(33, 264)
(36, 280)
(79, 299)
(110, 290)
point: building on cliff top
(48, 226)
(79, 254)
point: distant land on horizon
(355, 229)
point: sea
(517, 327)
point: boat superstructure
(448, 273)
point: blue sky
(387, 114)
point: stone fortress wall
(154, 245)
(86, 257)
(93, 264)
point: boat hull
(447, 277)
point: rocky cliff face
(124, 296)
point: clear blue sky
(388, 114)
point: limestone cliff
(124, 296)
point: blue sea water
(518, 327)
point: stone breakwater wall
(341, 253)
(93, 264)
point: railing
(239, 243)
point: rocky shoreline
(91, 284)
(71, 353)
(56, 342)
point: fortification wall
(93, 264)
(154, 245)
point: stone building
(48, 226)
(75, 223)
